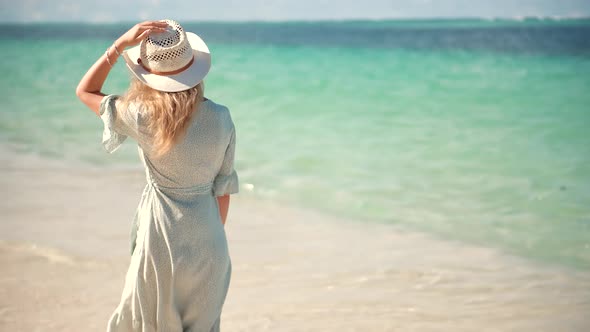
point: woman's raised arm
(90, 86)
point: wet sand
(64, 235)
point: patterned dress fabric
(180, 266)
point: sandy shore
(64, 252)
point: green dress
(180, 265)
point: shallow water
(471, 131)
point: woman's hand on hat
(139, 32)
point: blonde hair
(168, 112)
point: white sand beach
(64, 248)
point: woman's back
(198, 156)
(180, 257)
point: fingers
(154, 25)
(144, 34)
(144, 29)
(160, 23)
(152, 29)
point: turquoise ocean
(476, 131)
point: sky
(280, 10)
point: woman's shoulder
(215, 107)
(217, 110)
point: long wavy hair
(168, 113)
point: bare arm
(223, 203)
(90, 86)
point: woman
(180, 267)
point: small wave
(52, 255)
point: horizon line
(517, 18)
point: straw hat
(171, 61)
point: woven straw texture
(167, 51)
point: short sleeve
(116, 128)
(226, 182)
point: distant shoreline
(412, 20)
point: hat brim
(184, 80)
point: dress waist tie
(204, 188)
